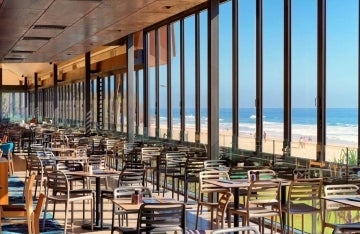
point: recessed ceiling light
(41, 26)
(13, 59)
(22, 51)
(36, 38)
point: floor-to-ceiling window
(162, 48)
(273, 75)
(203, 75)
(247, 70)
(342, 80)
(175, 80)
(225, 74)
(151, 81)
(304, 78)
(189, 78)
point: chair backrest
(247, 229)
(129, 177)
(175, 160)
(340, 191)
(34, 164)
(97, 161)
(81, 151)
(214, 163)
(305, 190)
(109, 145)
(263, 193)
(221, 210)
(28, 193)
(264, 174)
(161, 217)
(58, 182)
(307, 173)
(193, 167)
(7, 147)
(206, 187)
(127, 191)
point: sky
(342, 54)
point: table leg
(236, 206)
(97, 225)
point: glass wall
(273, 76)
(189, 78)
(342, 80)
(151, 82)
(247, 124)
(304, 78)
(225, 75)
(203, 75)
(175, 80)
(163, 100)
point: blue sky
(342, 54)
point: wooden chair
(334, 208)
(173, 168)
(24, 213)
(304, 197)
(263, 174)
(158, 218)
(263, 201)
(206, 189)
(213, 164)
(222, 209)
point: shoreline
(302, 146)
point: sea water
(341, 123)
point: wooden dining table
(236, 184)
(97, 174)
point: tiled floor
(60, 214)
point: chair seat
(347, 227)
(300, 208)
(9, 208)
(255, 212)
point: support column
(55, 98)
(36, 97)
(130, 87)
(259, 77)
(213, 80)
(321, 81)
(235, 75)
(287, 79)
(87, 103)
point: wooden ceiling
(43, 31)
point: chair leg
(66, 216)
(197, 216)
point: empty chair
(158, 218)
(335, 209)
(18, 213)
(222, 209)
(191, 176)
(304, 197)
(264, 174)
(174, 167)
(206, 190)
(58, 190)
(263, 201)
(214, 164)
(34, 165)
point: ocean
(341, 123)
